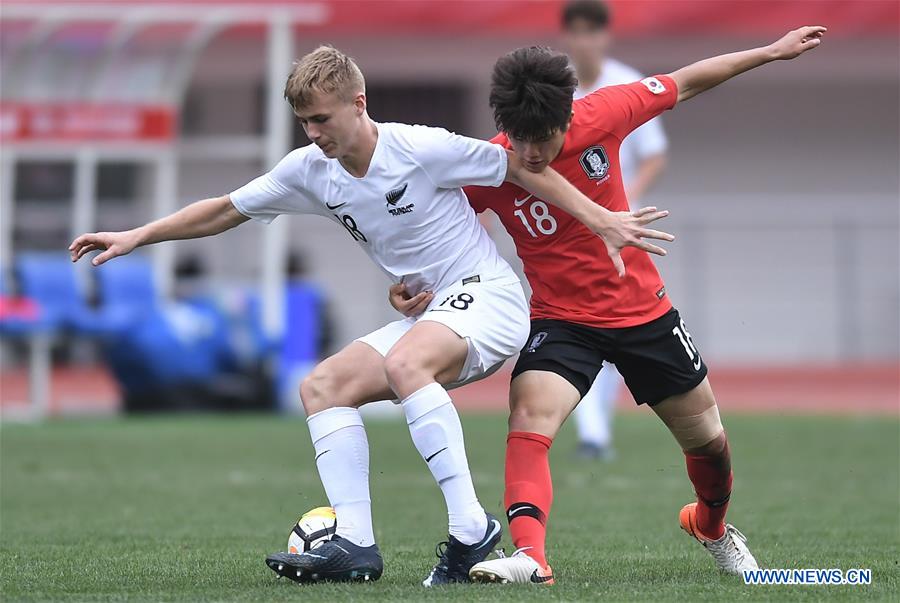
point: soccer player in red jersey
(584, 308)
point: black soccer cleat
(336, 560)
(456, 558)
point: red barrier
(20, 122)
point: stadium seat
(127, 290)
(172, 344)
(50, 280)
(125, 286)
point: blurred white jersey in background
(646, 141)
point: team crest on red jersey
(595, 162)
(536, 341)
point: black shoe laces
(450, 559)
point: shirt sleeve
(453, 161)
(280, 191)
(622, 109)
(481, 198)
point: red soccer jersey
(571, 275)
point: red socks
(712, 477)
(529, 491)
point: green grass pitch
(186, 508)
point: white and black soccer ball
(312, 529)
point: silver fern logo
(393, 196)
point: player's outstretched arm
(617, 229)
(200, 219)
(706, 74)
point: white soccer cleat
(730, 551)
(517, 568)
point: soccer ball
(312, 529)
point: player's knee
(716, 447)
(317, 390)
(535, 417)
(700, 432)
(401, 365)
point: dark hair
(531, 93)
(595, 12)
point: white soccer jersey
(646, 141)
(408, 212)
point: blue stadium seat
(170, 344)
(127, 280)
(49, 279)
(125, 285)
(127, 291)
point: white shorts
(492, 316)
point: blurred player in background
(642, 159)
(582, 312)
(395, 189)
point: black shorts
(657, 359)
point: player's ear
(360, 103)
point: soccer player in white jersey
(642, 158)
(396, 190)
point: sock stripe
(715, 503)
(522, 509)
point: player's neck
(358, 158)
(589, 74)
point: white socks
(437, 433)
(342, 456)
(594, 415)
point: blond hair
(326, 69)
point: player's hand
(797, 42)
(112, 244)
(408, 305)
(627, 229)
